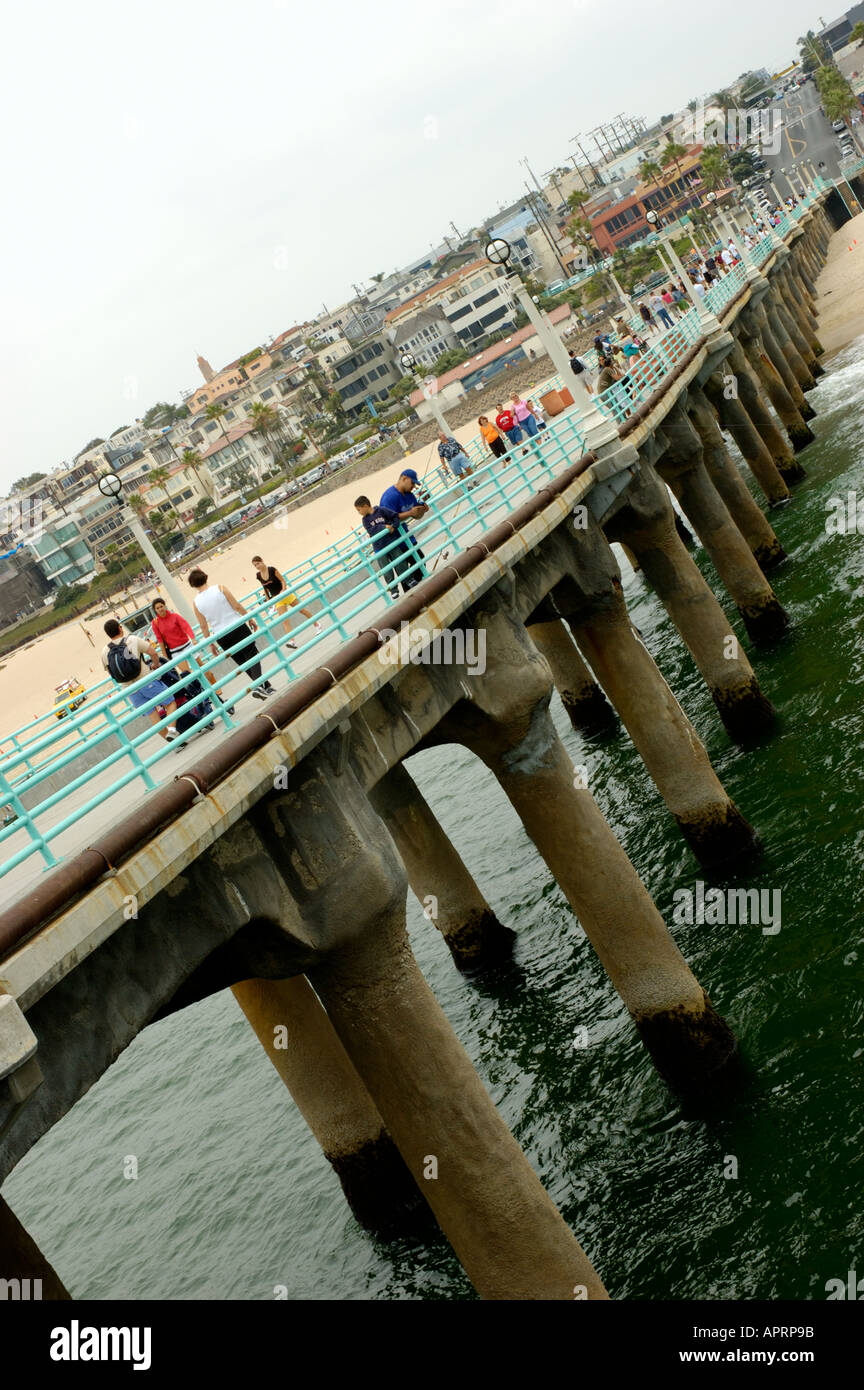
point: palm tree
(190, 458)
(577, 199)
(672, 153)
(650, 171)
(140, 508)
(715, 168)
(160, 477)
(215, 411)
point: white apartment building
(425, 335)
(476, 300)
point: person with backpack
(124, 657)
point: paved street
(806, 134)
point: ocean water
(233, 1197)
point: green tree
(650, 171)
(216, 411)
(203, 506)
(190, 458)
(857, 35)
(453, 357)
(577, 199)
(672, 153)
(160, 478)
(28, 480)
(813, 52)
(163, 413)
(715, 167)
(403, 388)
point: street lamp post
(409, 363)
(708, 321)
(111, 486)
(597, 428)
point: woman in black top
(273, 583)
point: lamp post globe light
(708, 321)
(430, 391)
(596, 428)
(110, 486)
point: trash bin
(552, 403)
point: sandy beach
(840, 288)
(29, 676)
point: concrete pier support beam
(788, 312)
(474, 936)
(646, 523)
(507, 724)
(740, 503)
(21, 1259)
(798, 367)
(666, 741)
(781, 449)
(298, 1037)
(346, 886)
(734, 418)
(587, 707)
(761, 368)
(682, 467)
(504, 1228)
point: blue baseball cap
(409, 473)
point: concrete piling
(438, 876)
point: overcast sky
(186, 177)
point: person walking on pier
(272, 581)
(492, 437)
(659, 310)
(505, 421)
(524, 419)
(452, 455)
(217, 610)
(124, 657)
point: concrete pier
(587, 707)
(298, 1037)
(734, 418)
(740, 503)
(438, 877)
(645, 522)
(507, 724)
(682, 467)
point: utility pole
(542, 224)
(531, 172)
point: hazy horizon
(197, 181)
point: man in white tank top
(217, 610)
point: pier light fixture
(408, 361)
(110, 486)
(498, 251)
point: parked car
(837, 126)
(555, 286)
(68, 696)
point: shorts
(458, 464)
(285, 603)
(151, 691)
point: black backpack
(122, 665)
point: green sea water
(233, 1197)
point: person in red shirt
(172, 632)
(506, 422)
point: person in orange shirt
(492, 437)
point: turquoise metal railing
(337, 585)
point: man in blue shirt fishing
(400, 498)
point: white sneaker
(171, 733)
(318, 627)
(259, 693)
